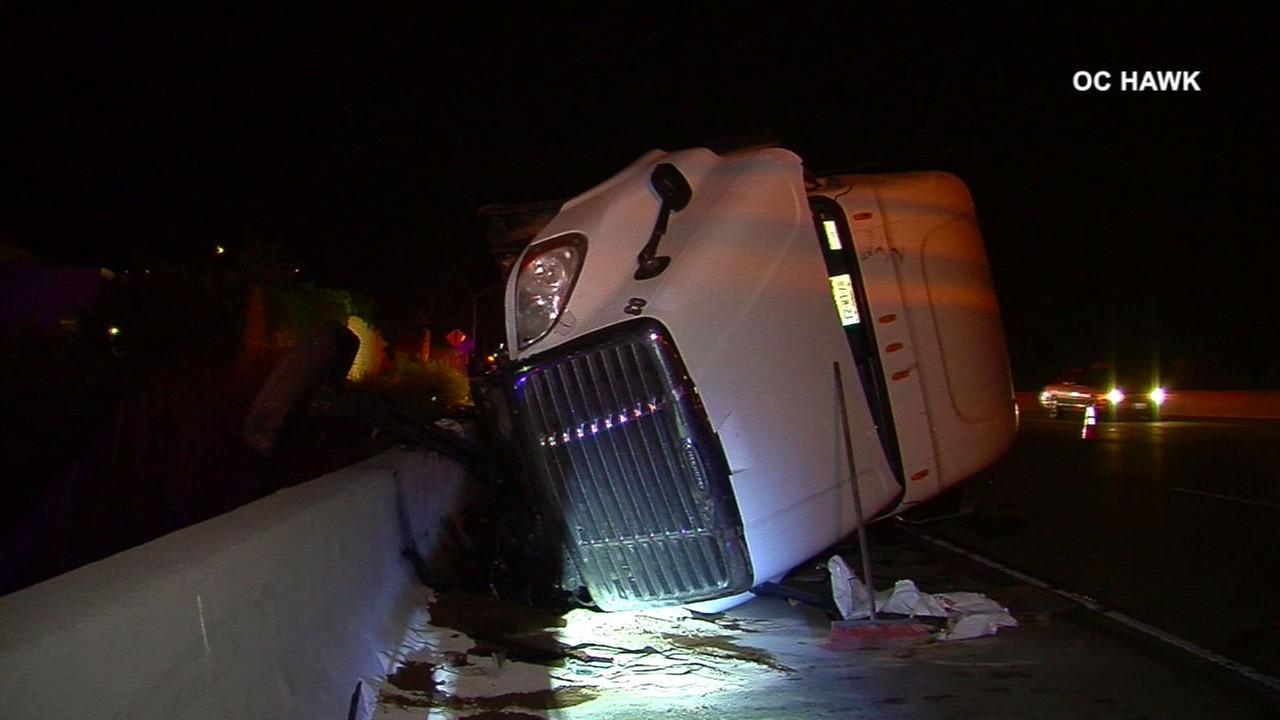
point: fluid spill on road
(476, 654)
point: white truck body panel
(930, 290)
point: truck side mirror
(671, 185)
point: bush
(429, 391)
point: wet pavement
(470, 656)
(1175, 523)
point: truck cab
(673, 333)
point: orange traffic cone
(1090, 429)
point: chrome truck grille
(620, 443)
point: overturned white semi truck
(672, 334)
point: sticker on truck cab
(846, 303)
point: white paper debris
(906, 599)
(849, 592)
(971, 615)
(968, 614)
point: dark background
(1123, 226)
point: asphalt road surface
(1174, 523)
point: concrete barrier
(275, 610)
(1249, 405)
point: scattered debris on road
(967, 614)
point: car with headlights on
(1109, 393)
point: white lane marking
(204, 635)
(1232, 498)
(1095, 606)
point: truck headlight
(544, 282)
(1158, 395)
(1115, 396)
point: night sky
(1126, 224)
